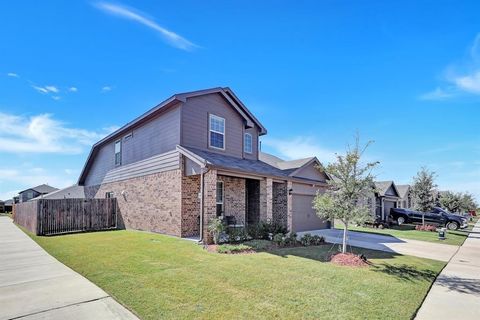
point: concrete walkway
(423, 249)
(456, 292)
(34, 285)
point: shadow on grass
(405, 272)
(324, 252)
(468, 286)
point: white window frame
(222, 202)
(245, 143)
(119, 152)
(210, 117)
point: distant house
(8, 205)
(72, 192)
(30, 193)
(405, 196)
(386, 196)
(2, 206)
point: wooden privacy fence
(57, 216)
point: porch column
(383, 209)
(289, 206)
(269, 199)
(266, 199)
(209, 202)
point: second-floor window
(216, 132)
(118, 152)
(247, 143)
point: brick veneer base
(151, 203)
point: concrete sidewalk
(456, 292)
(34, 285)
(423, 249)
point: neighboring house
(405, 196)
(71, 192)
(30, 193)
(194, 157)
(2, 206)
(8, 205)
(385, 197)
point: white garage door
(304, 217)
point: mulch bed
(349, 259)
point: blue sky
(404, 74)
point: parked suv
(437, 216)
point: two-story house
(30, 193)
(193, 157)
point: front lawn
(408, 231)
(161, 277)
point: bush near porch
(162, 277)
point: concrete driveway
(34, 285)
(423, 249)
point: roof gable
(226, 92)
(386, 188)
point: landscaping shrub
(237, 235)
(278, 239)
(265, 230)
(233, 248)
(311, 240)
(426, 227)
(215, 228)
(256, 231)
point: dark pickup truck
(437, 216)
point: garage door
(304, 217)
(387, 205)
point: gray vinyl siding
(195, 114)
(158, 163)
(312, 173)
(154, 137)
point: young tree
(450, 201)
(350, 184)
(467, 202)
(423, 188)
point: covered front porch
(240, 200)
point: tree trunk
(423, 218)
(344, 242)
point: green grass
(409, 232)
(161, 277)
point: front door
(252, 201)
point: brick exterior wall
(234, 197)
(190, 206)
(279, 203)
(209, 201)
(151, 203)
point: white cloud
(52, 89)
(106, 89)
(56, 98)
(469, 83)
(13, 74)
(73, 89)
(437, 94)
(40, 89)
(43, 134)
(170, 37)
(299, 147)
(461, 77)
